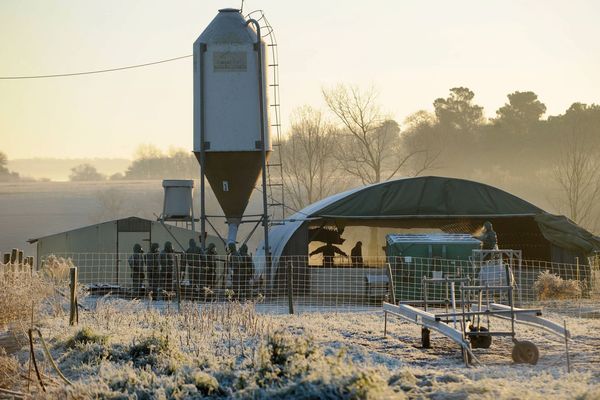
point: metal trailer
(463, 324)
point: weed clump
(153, 351)
(19, 290)
(550, 286)
(205, 383)
(86, 336)
(10, 370)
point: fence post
(290, 287)
(7, 258)
(74, 312)
(178, 282)
(13, 256)
(392, 286)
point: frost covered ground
(130, 350)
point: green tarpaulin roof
(428, 196)
(562, 232)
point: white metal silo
(231, 124)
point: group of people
(197, 266)
(488, 238)
(329, 251)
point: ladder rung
(276, 125)
(273, 65)
(273, 84)
(275, 184)
(274, 105)
(272, 45)
(274, 165)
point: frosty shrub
(86, 336)
(19, 289)
(205, 383)
(295, 367)
(55, 270)
(550, 286)
(9, 370)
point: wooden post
(13, 256)
(567, 347)
(74, 313)
(391, 285)
(30, 261)
(290, 287)
(20, 257)
(6, 258)
(384, 323)
(178, 283)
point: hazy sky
(412, 51)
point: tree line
(552, 160)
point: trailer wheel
(480, 342)
(525, 352)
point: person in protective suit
(356, 255)
(136, 264)
(245, 273)
(489, 239)
(167, 265)
(153, 265)
(329, 251)
(209, 267)
(192, 260)
(232, 275)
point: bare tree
(368, 141)
(578, 168)
(308, 164)
(578, 176)
(423, 138)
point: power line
(100, 71)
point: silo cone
(229, 98)
(232, 177)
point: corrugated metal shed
(101, 249)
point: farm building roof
(428, 198)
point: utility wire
(100, 71)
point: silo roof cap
(229, 10)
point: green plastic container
(433, 255)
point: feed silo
(231, 128)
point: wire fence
(304, 284)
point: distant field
(35, 209)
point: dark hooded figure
(153, 263)
(489, 239)
(192, 260)
(209, 267)
(167, 265)
(329, 251)
(136, 263)
(356, 255)
(233, 266)
(245, 273)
